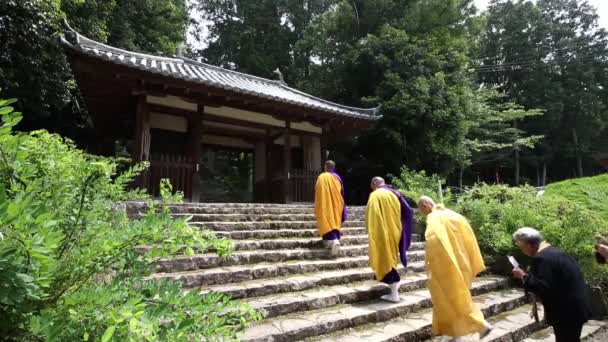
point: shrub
(69, 266)
(497, 211)
(414, 184)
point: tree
(493, 134)
(33, 66)
(550, 55)
(248, 36)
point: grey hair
(426, 199)
(378, 180)
(528, 235)
(330, 164)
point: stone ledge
(590, 329)
(244, 225)
(235, 274)
(301, 282)
(204, 261)
(300, 326)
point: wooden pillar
(286, 162)
(195, 131)
(269, 171)
(260, 170)
(141, 152)
(323, 144)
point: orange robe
(453, 260)
(329, 204)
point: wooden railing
(302, 185)
(178, 169)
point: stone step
(512, 325)
(323, 297)
(218, 208)
(590, 330)
(235, 274)
(203, 261)
(299, 326)
(257, 210)
(301, 282)
(291, 233)
(314, 243)
(232, 226)
(293, 243)
(283, 217)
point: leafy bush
(69, 266)
(415, 184)
(497, 211)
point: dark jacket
(556, 278)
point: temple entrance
(226, 175)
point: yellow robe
(329, 203)
(453, 259)
(383, 222)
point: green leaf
(85, 336)
(6, 110)
(108, 334)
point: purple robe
(407, 214)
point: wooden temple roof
(188, 70)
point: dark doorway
(226, 175)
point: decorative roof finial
(279, 75)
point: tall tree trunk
(460, 176)
(537, 175)
(544, 183)
(579, 157)
(517, 166)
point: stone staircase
(280, 267)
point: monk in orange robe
(453, 260)
(330, 206)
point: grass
(590, 192)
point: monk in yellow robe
(388, 218)
(330, 206)
(453, 260)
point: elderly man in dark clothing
(555, 277)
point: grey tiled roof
(212, 76)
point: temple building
(180, 115)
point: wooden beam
(233, 133)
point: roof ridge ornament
(279, 74)
(70, 34)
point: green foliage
(496, 212)
(415, 184)
(590, 192)
(550, 56)
(69, 263)
(33, 66)
(492, 132)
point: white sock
(394, 295)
